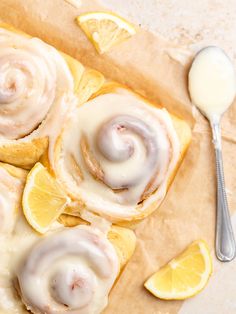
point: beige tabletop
(185, 22)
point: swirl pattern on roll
(69, 272)
(34, 78)
(117, 153)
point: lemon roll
(116, 155)
(71, 271)
(36, 90)
(67, 270)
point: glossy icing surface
(116, 151)
(35, 81)
(71, 271)
(68, 270)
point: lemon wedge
(184, 276)
(43, 199)
(105, 29)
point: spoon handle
(225, 241)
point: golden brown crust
(16, 172)
(124, 242)
(76, 68)
(123, 239)
(23, 154)
(90, 83)
(13, 29)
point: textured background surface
(184, 22)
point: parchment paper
(146, 63)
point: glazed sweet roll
(71, 271)
(36, 91)
(117, 154)
(11, 185)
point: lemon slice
(183, 276)
(43, 199)
(105, 29)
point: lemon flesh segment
(43, 199)
(105, 29)
(184, 276)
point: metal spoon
(212, 88)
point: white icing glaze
(13, 248)
(36, 87)
(96, 221)
(10, 191)
(212, 82)
(11, 240)
(69, 272)
(134, 144)
(96, 257)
